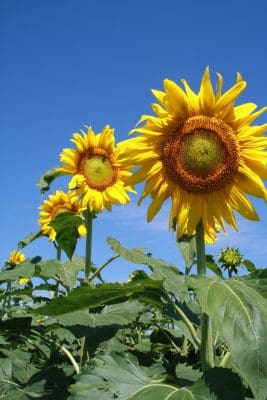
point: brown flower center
(201, 155)
(97, 166)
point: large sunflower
(97, 174)
(57, 203)
(200, 150)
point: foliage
(145, 331)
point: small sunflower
(16, 257)
(97, 174)
(202, 151)
(56, 204)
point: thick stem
(88, 262)
(88, 249)
(200, 247)
(206, 347)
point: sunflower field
(165, 333)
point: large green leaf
(240, 316)
(257, 280)
(65, 271)
(86, 296)
(120, 377)
(66, 225)
(119, 314)
(26, 270)
(173, 280)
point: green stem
(88, 263)
(225, 359)
(60, 347)
(200, 247)
(206, 347)
(102, 267)
(58, 252)
(88, 249)
(188, 323)
(59, 259)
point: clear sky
(67, 63)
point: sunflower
(55, 204)
(200, 150)
(97, 174)
(16, 257)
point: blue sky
(67, 63)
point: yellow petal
(206, 94)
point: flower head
(16, 257)
(230, 259)
(97, 173)
(202, 151)
(55, 204)
(24, 281)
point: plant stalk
(102, 267)
(206, 347)
(88, 249)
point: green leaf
(240, 316)
(86, 296)
(119, 314)
(186, 372)
(69, 270)
(212, 266)
(173, 280)
(99, 381)
(257, 280)
(249, 265)
(5, 369)
(46, 180)
(26, 270)
(66, 225)
(224, 383)
(187, 246)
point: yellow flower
(55, 204)
(16, 257)
(24, 281)
(202, 151)
(97, 174)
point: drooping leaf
(85, 296)
(99, 381)
(212, 266)
(187, 246)
(240, 316)
(46, 180)
(66, 225)
(249, 265)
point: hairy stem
(206, 347)
(88, 249)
